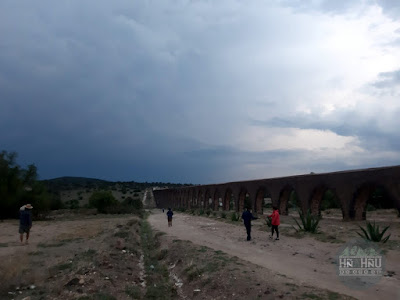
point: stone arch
(371, 193)
(316, 200)
(200, 199)
(323, 197)
(218, 201)
(262, 196)
(207, 198)
(229, 201)
(285, 195)
(244, 199)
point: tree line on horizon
(19, 186)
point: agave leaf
(365, 233)
(297, 224)
(386, 239)
(384, 230)
(363, 236)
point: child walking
(275, 223)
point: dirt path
(305, 260)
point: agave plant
(309, 222)
(372, 233)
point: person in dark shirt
(169, 216)
(25, 222)
(247, 216)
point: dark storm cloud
(163, 91)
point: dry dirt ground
(302, 260)
(71, 257)
(84, 256)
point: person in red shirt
(275, 222)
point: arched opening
(263, 201)
(368, 199)
(244, 200)
(200, 200)
(218, 203)
(189, 199)
(229, 200)
(288, 199)
(207, 200)
(194, 198)
(322, 199)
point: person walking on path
(275, 222)
(169, 216)
(247, 216)
(25, 222)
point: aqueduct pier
(352, 189)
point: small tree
(101, 200)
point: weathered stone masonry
(352, 188)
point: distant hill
(72, 183)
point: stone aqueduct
(352, 188)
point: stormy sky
(199, 91)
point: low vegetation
(268, 221)
(372, 233)
(157, 276)
(309, 223)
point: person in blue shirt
(169, 216)
(25, 222)
(247, 216)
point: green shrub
(102, 200)
(208, 212)
(123, 209)
(201, 212)
(309, 222)
(235, 217)
(72, 204)
(372, 233)
(55, 202)
(223, 215)
(136, 203)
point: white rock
(32, 287)
(197, 291)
